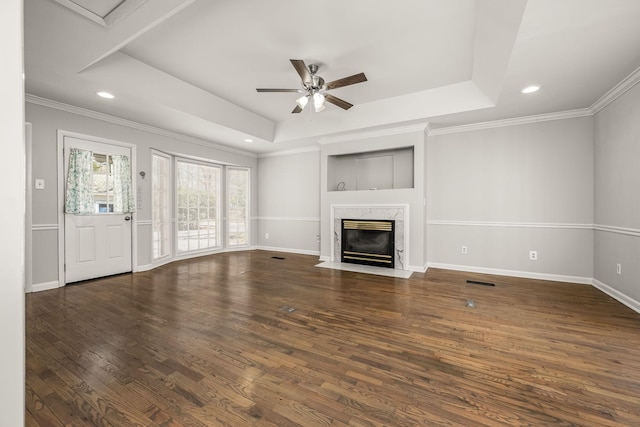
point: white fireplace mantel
(397, 212)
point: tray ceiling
(192, 66)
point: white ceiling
(192, 66)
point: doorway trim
(61, 185)
(28, 257)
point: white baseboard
(168, 260)
(153, 265)
(324, 258)
(39, 287)
(418, 269)
(157, 264)
(514, 273)
(288, 250)
(617, 295)
(147, 267)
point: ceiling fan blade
(280, 90)
(302, 70)
(337, 101)
(346, 81)
(296, 110)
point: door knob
(127, 218)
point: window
(237, 207)
(161, 205)
(102, 183)
(189, 198)
(197, 190)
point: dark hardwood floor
(213, 342)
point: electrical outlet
(618, 269)
(266, 235)
(465, 249)
(533, 255)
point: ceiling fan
(315, 89)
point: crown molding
(617, 91)
(562, 115)
(289, 152)
(33, 99)
(419, 127)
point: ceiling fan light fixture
(302, 101)
(318, 102)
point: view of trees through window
(188, 201)
(198, 213)
(102, 183)
(238, 206)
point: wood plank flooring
(212, 341)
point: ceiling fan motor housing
(317, 82)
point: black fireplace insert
(369, 242)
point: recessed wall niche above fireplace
(369, 242)
(371, 170)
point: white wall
(289, 202)
(12, 216)
(47, 121)
(617, 197)
(508, 190)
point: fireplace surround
(399, 213)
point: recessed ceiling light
(531, 89)
(105, 95)
(248, 140)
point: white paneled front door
(97, 244)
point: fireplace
(370, 242)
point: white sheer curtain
(79, 191)
(122, 186)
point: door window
(98, 183)
(102, 183)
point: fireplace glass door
(369, 242)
